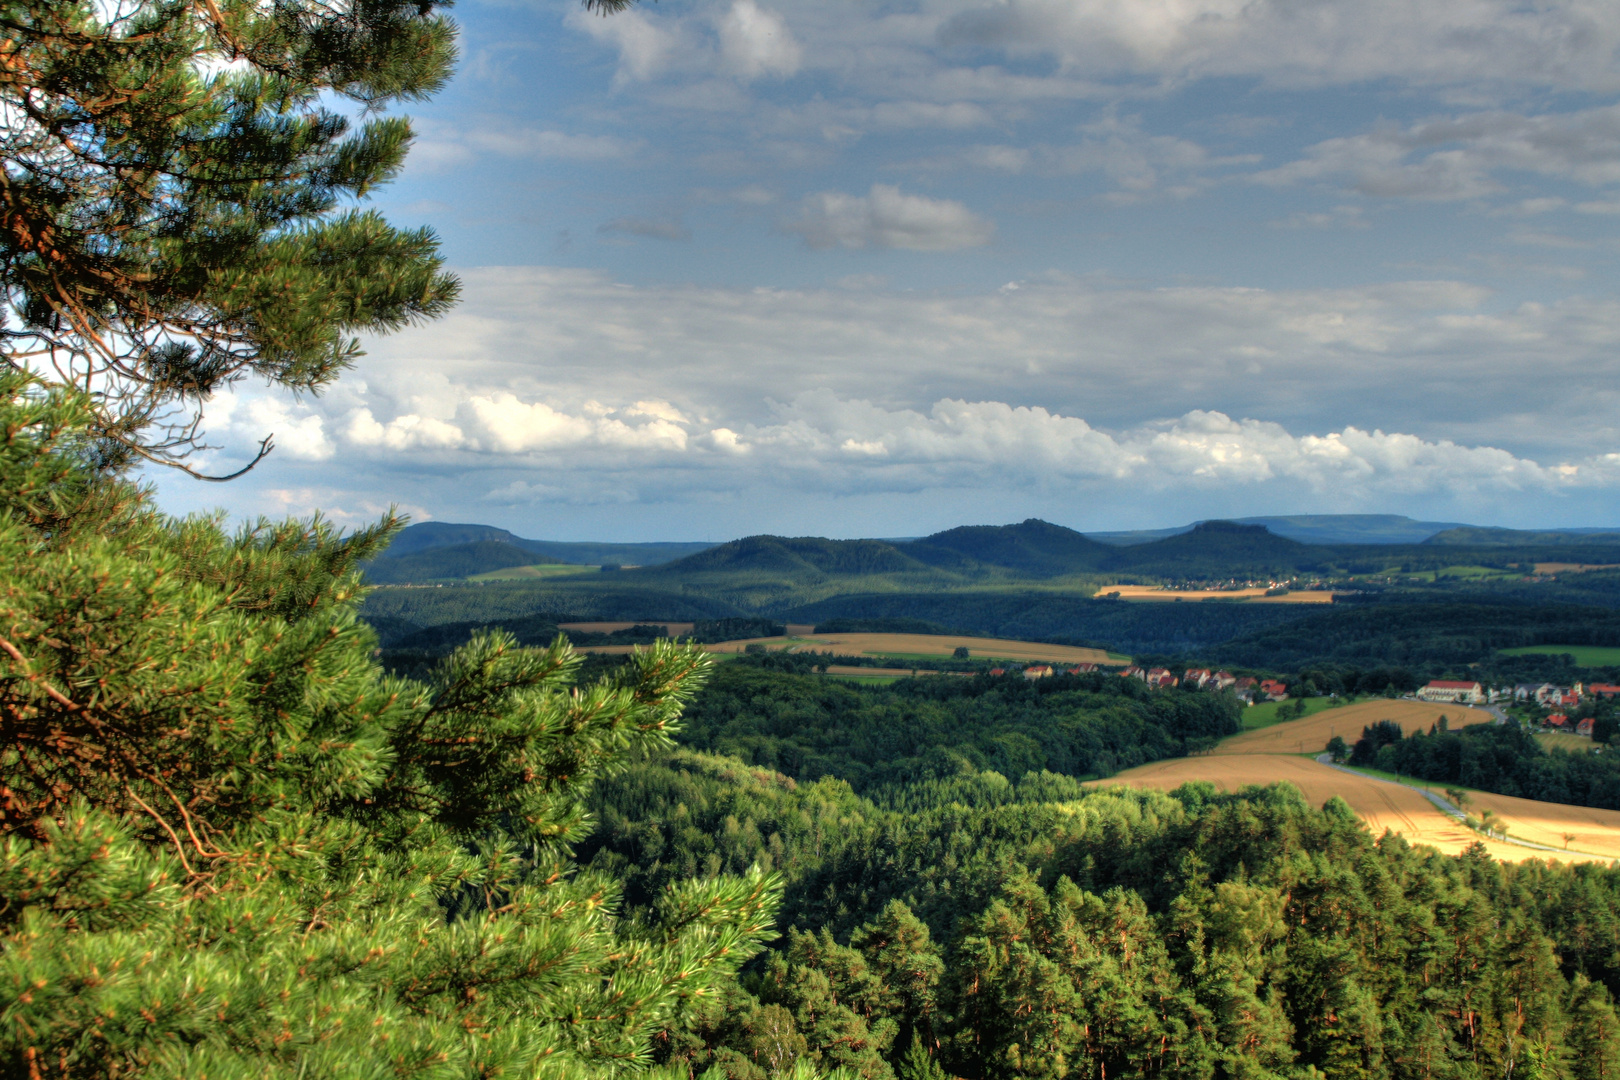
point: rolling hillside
(1033, 547)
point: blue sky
(739, 266)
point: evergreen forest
(268, 811)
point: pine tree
(231, 847)
(178, 199)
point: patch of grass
(540, 570)
(868, 680)
(1265, 715)
(1474, 573)
(1585, 655)
(1563, 740)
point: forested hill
(1027, 929)
(1033, 547)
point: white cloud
(647, 44)
(500, 423)
(1566, 43)
(888, 218)
(298, 432)
(591, 392)
(1462, 157)
(820, 439)
(756, 42)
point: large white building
(1462, 693)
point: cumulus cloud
(886, 217)
(647, 44)
(755, 42)
(819, 438)
(593, 392)
(1460, 157)
(1568, 43)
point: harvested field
(1596, 831)
(943, 645)
(1572, 568)
(1382, 805)
(888, 672)
(1248, 596)
(896, 645)
(1310, 734)
(673, 629)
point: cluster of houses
(1247, 688)
(1546, 695)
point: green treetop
(173, 198)
(230, 846)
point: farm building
(1038, 671)
(1467, 693)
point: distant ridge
(1481, 535)
(795, 557)
(1310, 529)
(439, 534)
(1036, 547)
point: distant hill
(1216, 548)
(450, 562)
(1309, 529)
(1033, 547)
(1481, 536)
(798, 557)
(437, 534)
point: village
(1543, 705)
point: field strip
(1159, 594)
(673, 629)
(1380, 803)
(1526, 816)
(943, 645)
(1310, 734)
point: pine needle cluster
(231, 847)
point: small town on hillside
(1550, 701)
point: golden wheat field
(1311, 734)
(1384, 805)
(1251, 596)
(945, 644)
(898, 645)
(673, 629)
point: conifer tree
(231, 847)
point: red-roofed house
(1467, 693)
(1274, 690)
(1221, 680)
(1557, 719)
(1196, 677)
(1037, 671)
(1584, 727)
(1161, 677)
(1603, 690)
(998, 671)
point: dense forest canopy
(1031, 929)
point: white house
(1464, 693)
